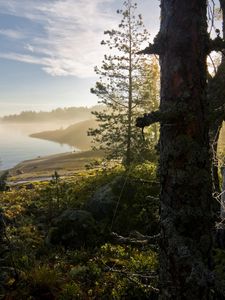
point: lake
(16, 145)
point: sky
(48, 50)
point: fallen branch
(145, 181)
(137, 239)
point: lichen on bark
(187, 218)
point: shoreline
(66, 164)
(36, 158)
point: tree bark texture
(186, 196)
(216, 95)
(222, 6)
(222, 211)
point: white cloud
(29, 47)
(13, 34)
(72, 31)
(22, 57)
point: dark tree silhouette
(216, 96)
(187, 215)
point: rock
(8, 276)
(18, 187)
(29, 186)
(103, 202)
(19, 172)
(74, 229)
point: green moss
(87, 272)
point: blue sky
(48, 49)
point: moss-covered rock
(73, 228)
(103, 201)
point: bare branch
(151, 49)
(148, 119)
(137, 239)
(156, 48)
(131, 277)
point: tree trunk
(222, 210)
(222, 5)
(186, 201)
(216, 95)
(130, 98)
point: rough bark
(216, 95)
(186, 201)
(222, 209)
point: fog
(33, 127)
(16, 145)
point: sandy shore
(42, 168)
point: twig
(129, 275)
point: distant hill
(74, 135)
(60, 114)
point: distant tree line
(67, 113)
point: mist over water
(16, 145)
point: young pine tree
(124, 88)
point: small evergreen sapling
(123, 88)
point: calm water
(16, 145)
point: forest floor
(57, 241)
(77, 259)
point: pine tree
(121, 88)
(150, 96)
(186, 189)
(187, 216)
(216, 98)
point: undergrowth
(33, 269)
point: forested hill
(59, 114)
(74, 135)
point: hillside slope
(74, 135)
